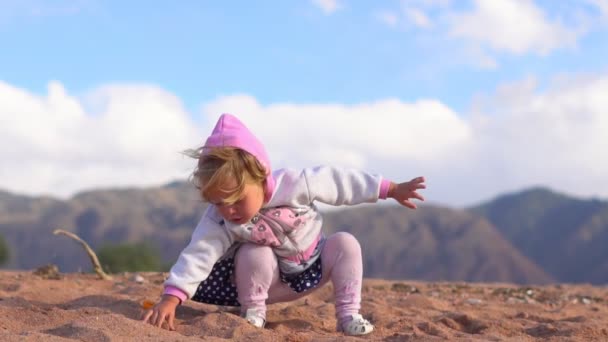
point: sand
(67, 307)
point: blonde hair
(217, 165)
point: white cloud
(327, 6)
(52, 145)
(487, 30)
(435, 3)
(349, 135)
(387, 17)
(481, 59)
(417, 17)
(602, 6)
(12, 10)
(122, 135)
(411, 14)
(516, 138)
(556, 138)
(427, 4)
(514, 26)
(57, 8)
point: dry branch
(94, 260)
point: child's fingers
(417, 196)
(170, 320)
(408, 204)
(146, 316)
(160, 319)
(154, 319)
(416, 184)
(418, 180)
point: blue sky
(274, 50)
(477, 65)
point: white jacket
(289, 223)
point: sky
(480, 97)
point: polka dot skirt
(306, 280)
(219, 289)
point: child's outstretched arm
(405, 191)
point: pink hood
(230, 132)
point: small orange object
(147, 304)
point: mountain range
(535, 236)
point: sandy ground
(67, 307)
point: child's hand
(163, 310)
(402, 192)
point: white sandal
(254, 318)
(357, 326)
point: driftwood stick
(90, 252)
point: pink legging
(258, 282)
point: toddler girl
(260, 240)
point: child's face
(243, 210)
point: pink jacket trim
(384, 186)
(174, 291)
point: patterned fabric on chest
(272, 226)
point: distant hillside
(567, 237)
(431, 243)
(163, 216)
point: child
(260, 240)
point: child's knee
(254, 256)
(343, 241)
(255, 259)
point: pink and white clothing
(282, 237)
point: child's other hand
(405, 191)
(163, 310)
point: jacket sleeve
(338, 186)
(209, 242)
